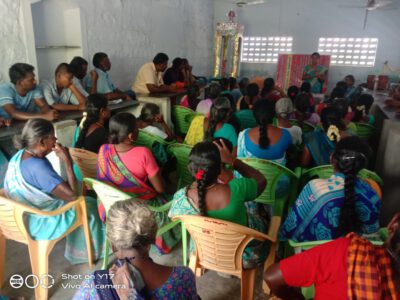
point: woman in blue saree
(330, 208)
(31, 180)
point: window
(359, 52)
(258, 49)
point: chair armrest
(23, 208)
(64, 208)
(307, 245)
(167, 227)
(161, 208)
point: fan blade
(366, 18)
(383, 4)
(255, 2)
(353, 6)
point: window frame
(350, 51)
(265, 48)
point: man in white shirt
(149, 79)
(61, 93)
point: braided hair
(302, 103)
(362, 106)
(341, 104)
(219, 112)
(95, 103)
(193, 91)
(264, 112)
(292, 92)
(252, 92)
(269, 84)
(205, 166)
(332, 116)
(350, 156)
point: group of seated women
(325, 209)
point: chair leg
(194, 265)
(247, 289)
(184, 245)
(106, 254)
(270, 260)
(88, 238)
(39, 255)
(2, 258)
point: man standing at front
(149, 79)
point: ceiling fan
(242, 3)
(371, 5)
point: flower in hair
(362, 109)
(333, 133)
(199, 175)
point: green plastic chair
(182, 117)
(108, 195)
(245, 118)
(181, 152)
(365, 131)
(272, 172)
(147, 139)
(305, 126)
(309, 292)
(326, 171)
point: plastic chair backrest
(220, 244)
(305, 126)
(245, 118)
(182, 117)
(106, 194)
(365, 131)
(9, 227)
(272, 172)
(147, 139)
(85, 160)
(181, 152)
(326, 171)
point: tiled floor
(210, 286)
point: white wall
(16, 35)
(131, 32)
(307, 20)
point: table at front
(7, 133)
(387, 163)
